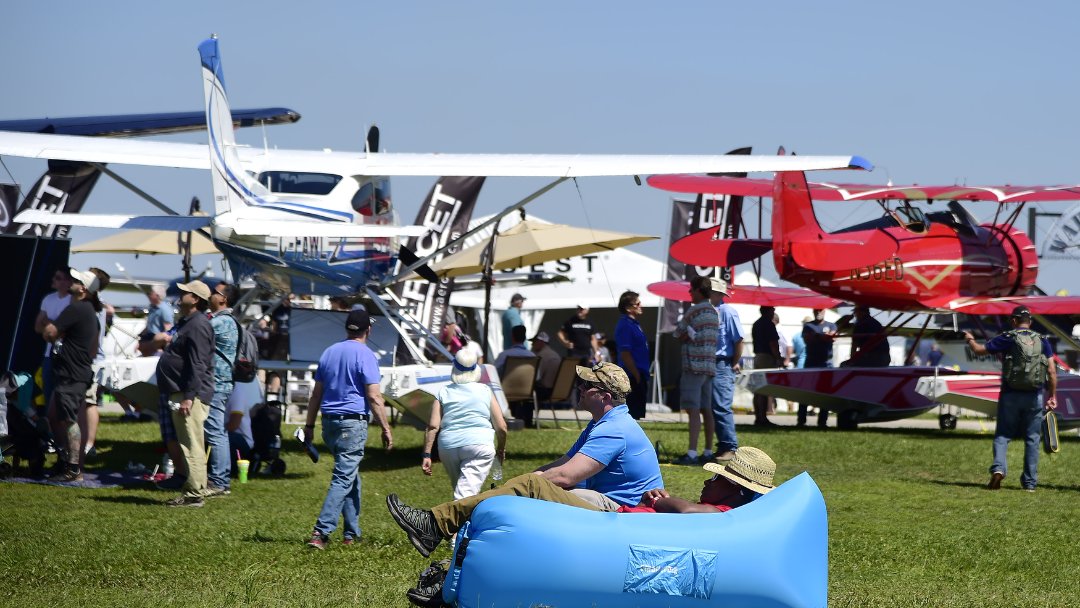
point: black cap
(358, 320)
(1021, 311)
(517, 297)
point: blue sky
(931, 92)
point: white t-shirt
(245, 395)
(474, 347)
(52, 305)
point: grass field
(909, 525)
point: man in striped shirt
(698, 330)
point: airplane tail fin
(233, 187)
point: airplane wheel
(947, 422)
(847, 420)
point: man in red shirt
(740, 480)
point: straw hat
(465, 369)
(751, 468)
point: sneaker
(318, 540)
(427, 597)
(724, 457)
(995, 480)
(216, 491)
(686, 459)
(418, 525)
(68, 476)
(433, 574)
(185, 501)
(348, 541)
(1031, 489)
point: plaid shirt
(699, 354)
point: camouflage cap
(608, 375)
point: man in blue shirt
(1020, 410)
(226, 335)
(729, 346)
(511, 318)
(612, 464)
(347, 391)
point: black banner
(688, 217)
(9, 198)
(64, 188)
(446, 213)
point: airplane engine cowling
(1022, 257)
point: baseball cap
(517, 297)
(358, 320)
(1021, 311)
(542, 336)
(87, 278)
(198, 288)
(608, 375)
(718, 285)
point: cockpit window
(294, 182)
(373, 198)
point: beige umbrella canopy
(146, 242)
(531, 242)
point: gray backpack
(1024, 366)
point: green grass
(909, 525)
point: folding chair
(562, 390)
(518, 384)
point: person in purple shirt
(1020, 409)
(633, 351)
(348, 394)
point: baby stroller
(266, 433)
(23, 435)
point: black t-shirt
(764, 334)
(818, 345)
(864, 332)
(580, 333)
(74, 352)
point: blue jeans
(346, 439)
(1019, 415)
(723, 416)
(218, 465)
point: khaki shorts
(95, 394)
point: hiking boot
(185, 501)
(433, 574)
(216, 491)
(69, 475)
(686, 459)
(427, 597)
(724, 457)
(318, 540)
(418, 525)
(995, 480)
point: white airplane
(321, 221)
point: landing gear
(847, 420)
(946, 418)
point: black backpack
(246, 364)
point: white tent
(596, 281)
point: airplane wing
(197, 156)
(679, 291)
(169, 223)
(130, 125)
(1039, 305)
(702, 249)
(290, 228)
(823, 191)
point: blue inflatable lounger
(520, 552)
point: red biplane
(908, 261)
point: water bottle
(167, 465)
(496, 472)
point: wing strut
(406, 271)
(406, 325)
(143, 194)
